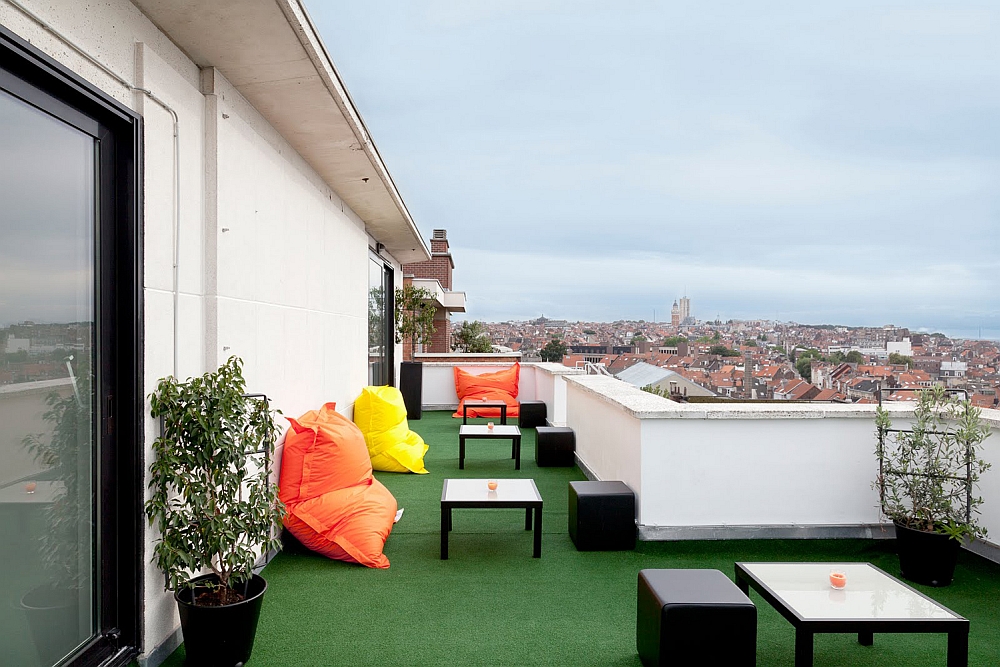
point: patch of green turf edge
(491, 603)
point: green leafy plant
(554, 350)
(211, 497)
(472, 337)
(658, 391)
(928, 475)
(414, 316)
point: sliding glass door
(48, 183)
(68, 502)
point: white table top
(475, 490)
(499, 430)
(869, 594)
(17, 494)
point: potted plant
(415, 324)
(927, 483)
(215, 507)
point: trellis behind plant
(927, 475)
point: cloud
(826, 162)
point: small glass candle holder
(838, 580)
(491, 485)
(29, 487)
(489, 425)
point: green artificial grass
(491, 603)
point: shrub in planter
(215, 507)
(927, 483)
(414, 316)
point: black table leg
(527, 519)
(538, 532)
(503, 415)
(517, 449)
(445, 527)
(958, 648)
(803, 648)
(465, 414)
(742, 584)
(866, 638)
(461, 452)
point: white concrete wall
(273, 265)
(438, 387)
(758, 472)
(716, 470)
(537, 382)
(989, 484)
(608, 440)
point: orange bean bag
(335, 506)
(499, 386)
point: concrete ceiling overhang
(270, 51)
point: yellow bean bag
(381, 415)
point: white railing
(590, 368)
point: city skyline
(799, 162)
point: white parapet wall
(711, 471)
(537, 382)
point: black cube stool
(601, 516)
(694, 617)
(555, 446)
(531, 414)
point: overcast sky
(595, 160)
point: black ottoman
(531, 414)
(555, 446)
(601, 516)
(694, 617)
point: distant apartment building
(435, 275)
(902, 347)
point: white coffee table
(474, 493)
(484, 432)
(872, 601)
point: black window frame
(30, 75)
(389, 333)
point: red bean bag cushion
(499, 386)
(335, 506)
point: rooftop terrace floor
(491, 603)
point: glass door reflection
(48, 185)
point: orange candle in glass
(838, 579)
(489, 425)
(492, 485)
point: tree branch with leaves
(414, 316)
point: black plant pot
(926, 558)
(411, 386)
(220, 636)
(53, 621)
